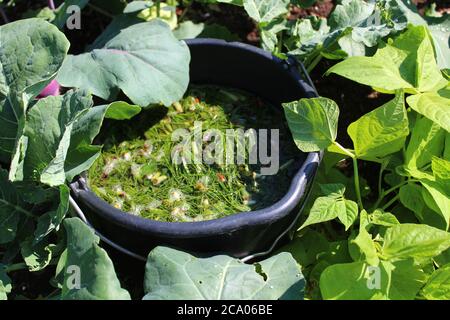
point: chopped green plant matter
(137, 171)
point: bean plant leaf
(265, 10)
(427, 140)
(172, 274)
(414, 241)
(88, 271)
(381, 218)
(313, 122)
(5, 283)
(437, 199)
(305, 248)
(433, 106)
(353, 282)
(382, 131)
(358, 281)
(438, 285)
(406, 279)
(407, 62)
(366, 246)
(334, 205)
(32, 52)
(144, 60)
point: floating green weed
(135, 172)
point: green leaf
(188, 30)
(85, 260)
(357, 281)
(432, 106)
(382, 131)
(440, 32)
(48, 131)
(306, 248)
(265, 10)
(414, 241)
(136, 6)
(350, 13)
(371, 71)
(354, 282)
(438, 285)
(37, 257)
(361, 16)
(12, 208)
(427, 140)
(407, 63)
(334, 205)
(367, 247)
(406, 279)
(437, 199)
(117, 24)
(5, 283)
(411, 197)
(441, 169)
(380, 218)
(172, 274)
(120, 110)
(32, 52)
(52, 220)
(446, 155)
(144, 60)
(313, 122)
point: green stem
(390, 202)
(355, 173)
(16, 267)
(380, 182)
(280, 43)
(158, 8)
(390, 190)
(314, 63)
(357, 188)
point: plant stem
(355, 173)
(345, 150)
(383, 194)
(16, 267)
(51, 5)
(390, 202)
(314, 63)
(158, 8)
(380, 181)
(280, 43)
(3, 14)
(356, 177)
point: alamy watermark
(232, 146)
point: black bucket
(246, 234)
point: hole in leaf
(260, 271)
